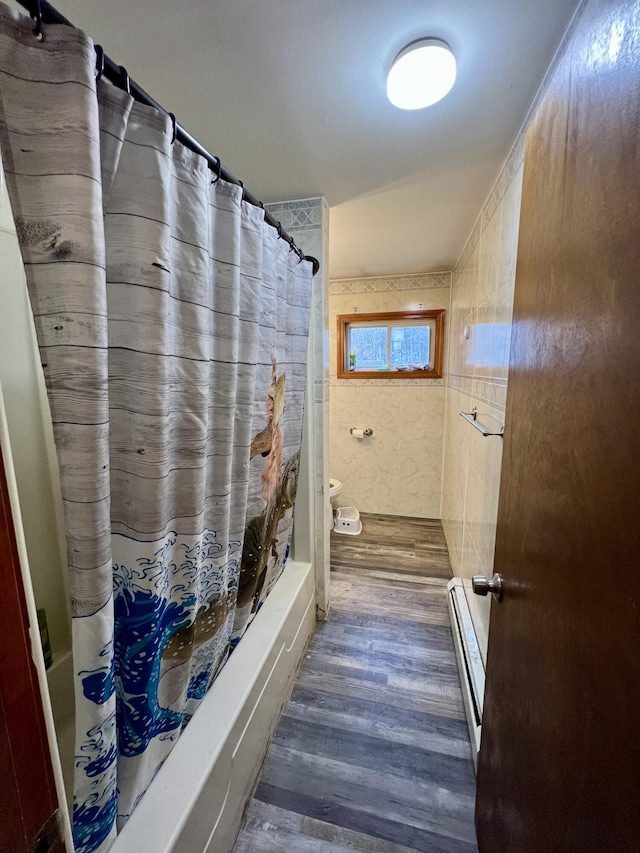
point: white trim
(196, 802)
(391, 276)
(470, 666)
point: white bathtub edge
(196, 802)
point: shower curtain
(172, 324)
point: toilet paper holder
(368, 432)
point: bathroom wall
(478, 344)
(307, 221)
(398, 471)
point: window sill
(389, 374)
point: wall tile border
(301, 214)
(384, 284)
(493, 392)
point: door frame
(30, 751)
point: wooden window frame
(344, 320)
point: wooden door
(559, 765)
(28, 801)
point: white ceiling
(291, 94)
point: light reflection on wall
(489, 344)
(610, 38)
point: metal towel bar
(472, 418)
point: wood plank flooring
(372, 752)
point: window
(401, 344)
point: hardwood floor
(372, 752)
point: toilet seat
(335, 487)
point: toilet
(344, 519)
(335, 487)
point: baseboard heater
(470, 662)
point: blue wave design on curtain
(156, 603)
(198, 685)
(93, 820)
(144, 624)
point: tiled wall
(399, 470)
(480, 330)
(307, 221)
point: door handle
(482, 585)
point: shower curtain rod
(44, 13)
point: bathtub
(196, 802)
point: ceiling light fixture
(422, 74)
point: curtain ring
(219, 170)
(127, 81)
(174, 125)
(279, 230)
(99, 61)
(37, 30)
